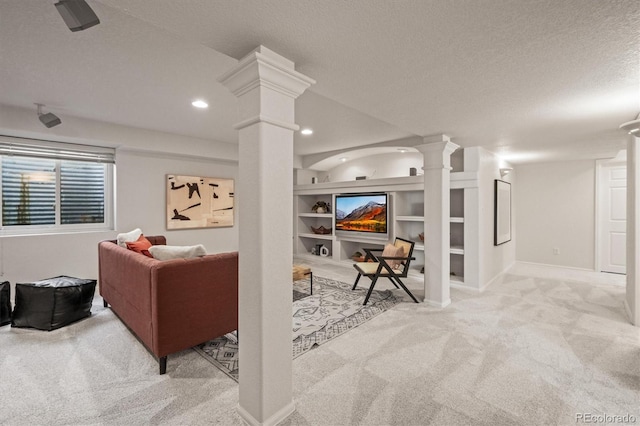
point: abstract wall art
(199, 202)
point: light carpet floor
(332, 310)
(537, 347)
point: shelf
(456, 250)
(359, 239)
(410, 218)
(421, 219)
(452, 250)
(329, 215)
(317, 236)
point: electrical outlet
(556, 250)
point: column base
(276, 418)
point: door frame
(618, 160)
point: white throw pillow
(162, 252)
(128, 237)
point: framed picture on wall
(502, 212)
(199, 202)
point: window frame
(59, 227)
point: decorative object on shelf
(199, 202)
(421, 236)
(324, 251)
(314, 179)
(502, 212)
(357, 257)
(321, 230)
(316, 250)
(321, 207)
(413, 171)
(422, 270)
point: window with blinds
(54, 186)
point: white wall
(304, 176)
(494, 260)
(143, 158)
(374, 167)
(556, 209)
(141, 197)
(483, 260)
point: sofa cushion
(141, 245)
(128, 237)
(177, 252)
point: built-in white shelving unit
(305, 218)
(456, 235)
(405, 218)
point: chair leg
(393, 282)
(406, 289)
(373, 283)
(356, 283)
(104, 303)
(162, 361)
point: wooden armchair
(391, 267)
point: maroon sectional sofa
(170, 305)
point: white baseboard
(482, 288)
(495, 278)
(276, 418)
(459, 286)
(629, 314)
(440, 305)
(548, 265)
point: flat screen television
(361, 213)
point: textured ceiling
(534, 80)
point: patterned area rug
(332, 310)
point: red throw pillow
(141, 245)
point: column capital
(437, 153)
(263, 67)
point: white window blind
(58, 150)
(52, 185)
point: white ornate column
(632, 302)
(437, 152)
(266, 85)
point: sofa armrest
(193, 300)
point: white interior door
(613, 218)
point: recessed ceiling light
(402, 150)
(636, 130)
(306, 131)
(200, 104)
(343, 159)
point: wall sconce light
(632, 127)
(49, 119)
(505, 171)
(77, 14)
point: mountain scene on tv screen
(372, 217)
